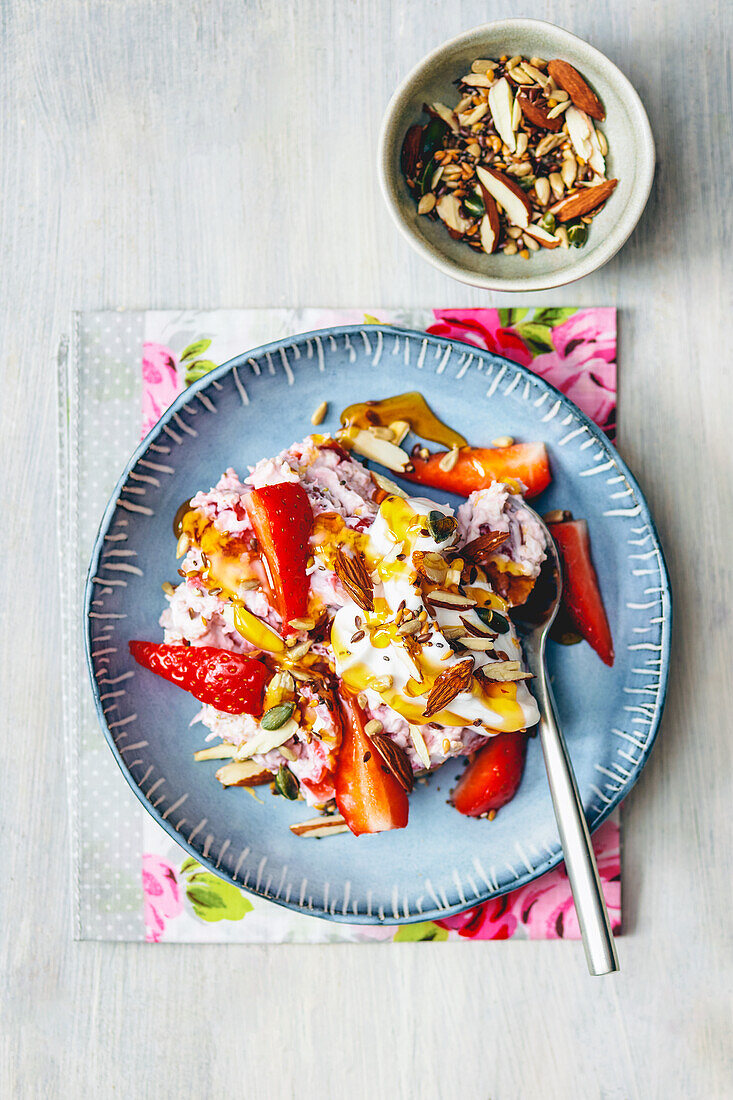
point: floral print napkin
(126, 367)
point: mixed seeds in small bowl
(517, 164)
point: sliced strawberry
(367, 793)
(227, 681)
(493, 777)
(580, 591)
(283, 519)
(477, 467)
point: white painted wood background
(169, 153)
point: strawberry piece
(477, 467)
(228, 681)
(282, 518)
(580, 591)
(368, 795)
(492, 779)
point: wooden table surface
(159, 153)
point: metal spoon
(533, 621)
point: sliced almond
(596, 160)
(317, 827)
(420, 747)
(440, 598)
(243, 773)
(448, 209)
(507, 193)
(547, 240)
(580, 128)
(390, 488)
(468, 641)
(583, 201)
(365, 443)
(224, 751)
(490, 227)
(476, 80)
(447, 115)
(582, 95)
(504, 672)
(399, 429)
(501, 105)
(265, 740)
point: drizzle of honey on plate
(410, 407)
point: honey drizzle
(411, 407)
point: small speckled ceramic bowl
(630, 158)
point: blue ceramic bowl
(256, 405)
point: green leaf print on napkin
(418, 933)
(509, 317)
(197, 370)
(213, 899)
(198, 347)
(553, 317)
(538, 338)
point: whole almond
(537, 114)
(411, 150)
(582, 95)
(395, 759)
(582, 201)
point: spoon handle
(590, 905)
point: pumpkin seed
(577, 234)
(441, 527)
(286, 783)
(432, 138)
(277, 716)
(425, 178)
(496, 622)
(474, 204)
(548, 222)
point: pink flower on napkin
(483, 329)
(546, 906)
(494, 920)
(162, 896)
(161, 383)
(583, 364)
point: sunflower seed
(557, 185)
(569, 170)
(535, 73)
(548, 143)
(602, 143)
(542, 190)
(320, 414)
(449, 460)
(562, 235)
